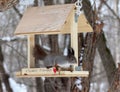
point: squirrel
(55, 60)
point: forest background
(101, 56)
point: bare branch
(17, 11)
(11, 39)
(17, 51)
(113, 12)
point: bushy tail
(39, 52)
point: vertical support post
(74, 35)
(31, 43)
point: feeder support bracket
(78, 5)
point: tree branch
(11, 39)
(4, 40)
(113, 12)
(17, 11)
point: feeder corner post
(31, 44)
(74, 35)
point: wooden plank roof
(48, 20)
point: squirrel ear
(70, 51)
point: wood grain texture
(39, 72)
(50, 20)
(43, 19)
(74, 35)
(31, 43)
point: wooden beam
(39, 72)
(31, 43)
(74, 35)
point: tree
(4, 77)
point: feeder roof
(50, 20)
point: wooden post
(31, 43)
(74, 35)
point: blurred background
(104, 56)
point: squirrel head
(71, 56)
(72, 59)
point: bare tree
(1, 90)
(3, 75)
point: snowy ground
(17, 87)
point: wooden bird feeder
(55, 19)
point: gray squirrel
(52, 60)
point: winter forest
(101, 53)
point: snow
(5, 67)
(65, 53)
(81, 58)
(43, 78)
(46, 47)
(26, 2)
(78, 83)
(17, 87)
(101, 87)
(6, 39)
(3, 86)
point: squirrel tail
(39, 52)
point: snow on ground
(17, 87)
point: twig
(17, 11)
(16, 51)
(10, 39)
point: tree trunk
(39, 85)
(90, 48)
(107, 58)
(115, 85)
(48, 2)
(96, 39)
(1, 90)
(36, 3)
(88, 60)
(4, 76)
(91, 42)
(39, 81)
(53, 40)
